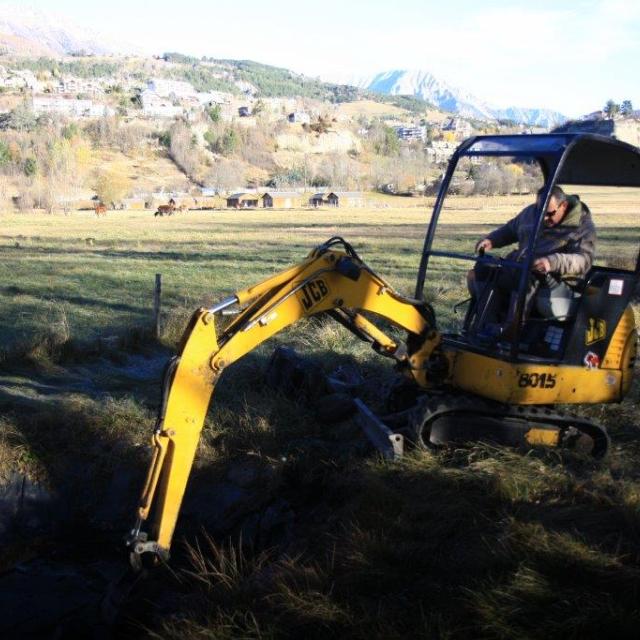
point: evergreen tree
(611, 108)
(626, 108)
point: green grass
(78, 277)
(480, 542)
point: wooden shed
(317, 200)
(243, 200)
(345, 199)
(281, 199)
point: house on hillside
(19, 78)
(440, 151)
(281, 199)
(154, 106)
(460, 127)
(74, 86)
(625, 129)
(243, 201)
(70, 107)
(212, 98)
(166, 88)
(411, 133)
(299, 117)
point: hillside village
(135, 132)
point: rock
(27, 508)
(295, 376)
(38, 595)
(218, 506)
(118, 503)
(243, 473)
(335, 407)
(276, 524)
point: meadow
(76, 277)
(476, 542)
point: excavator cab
(586, 333)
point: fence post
(156, 305)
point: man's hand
(542, 265)
(485, 245)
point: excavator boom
(329, 280)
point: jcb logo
(597, 331)
(312, 292)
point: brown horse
(167, 209)
(100, 210)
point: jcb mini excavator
(464, 387)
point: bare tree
(226, 175)
(183, 149)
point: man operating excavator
(563, 255)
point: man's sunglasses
(549, 214)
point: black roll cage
(581, 159)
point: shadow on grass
(474, 542)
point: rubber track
(430, 408)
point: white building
(411, 133)
(246, 87)
(462, 128)
(79, 85)
(17, 79)
(210, 98)
(164, 88)
(154, 106)
(299, 117)
(70, 107)
(440, 151)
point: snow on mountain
(426, 86)
(55, 33)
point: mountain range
(442, 95)
(25, 30)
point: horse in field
(165, 209)
(100, 209)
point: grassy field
(83, 277)
(78, 278)
(481, 542)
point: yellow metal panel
(546, 437)
(613, 357)
(184, 416)
(519, 383)
(328, 291)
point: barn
(338, 199)
(243, 201)
(317, 200)
(281, 199)
(345, 199)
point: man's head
(556, 207)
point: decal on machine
(596, 331)
(616, 287)
(312, 293)
(537, 380)
(591, 360)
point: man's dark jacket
(569, 246)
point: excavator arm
(330, 280)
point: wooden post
(156, 305)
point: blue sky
(568, 56)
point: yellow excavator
(462, 386)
